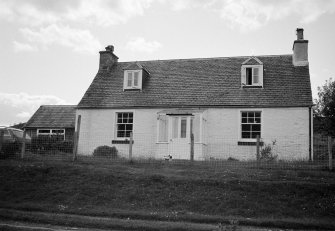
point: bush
(266, 153)
(9, 149)
(42, 144)
(65, 146)
(106, 151)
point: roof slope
(53, 116)
(204, 83)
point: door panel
(179, 146)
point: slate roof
(53, 116)
(209, 82)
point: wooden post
(131, 146)
(330, 153)
(76, 139)
(2, 132)
(257, 148)
(192, 147)
(23, 149)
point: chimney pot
(300, 34)
(110, 48)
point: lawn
(167, 191)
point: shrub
(42, 144)
(65, 146)
(106, 151)
(9, 149)
(266, 153)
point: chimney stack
(107, 58)
(300, 49)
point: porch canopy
(180, 111)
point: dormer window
(134, 77)
(252, 73)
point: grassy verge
(179, 193)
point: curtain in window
(163, 128)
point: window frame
(240, 124)
(126, 78)
(116, 125)
(244, 76)
(50, 133)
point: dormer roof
(252, 61)
(135, 66)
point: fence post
(330, 153)
(257, 147)
(131, 146)
(23, 149)
(192, 147)
(76, 139)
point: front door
(179, 145)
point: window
(252, 75)
(132, 79)
(124, 124)
(51, 132)
(250, 124)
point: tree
(325, 106)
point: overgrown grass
(169, 192)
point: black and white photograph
(182, 115)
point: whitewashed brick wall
(288, 126)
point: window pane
(244, 120)
(255, 75)
(183, 127)
(251, 120)
(244, 114)
(120, 134)
(130, 79)
(136, 79)
(129, 127)
(44, 131)
(246, 127)
(254, 135)
(249, 76)
(175, 121)
(251, 114)
(256, 127)
(258, 120)
(246, 135)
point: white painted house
(225, 102)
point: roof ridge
(196, 59)
(57, 105)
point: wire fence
(215, 152)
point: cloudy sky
(49, 48)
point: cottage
(224, 102)
(52, 120)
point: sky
(50, 48)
